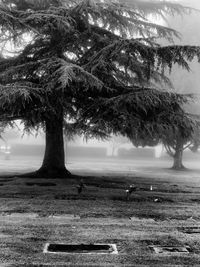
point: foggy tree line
(92, 68)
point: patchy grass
(149, 218)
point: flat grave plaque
(21, 215)
(170, 250)
(190, 229)
(65, 217)
(80, 248)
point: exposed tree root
(48, 173)
(179, 168)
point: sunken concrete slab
(144, 220)
(80, 248)
(22, 215)
(65, 217)
(170, 250)
(190, 229)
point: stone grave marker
(170, 250)
(80, 248)
(190, 229)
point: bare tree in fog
(91, 67)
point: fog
(188, 27)
(25, 152)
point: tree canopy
(90, 66)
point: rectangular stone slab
(170, 249)
(65, 217)
(80, 248)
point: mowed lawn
(36, 212)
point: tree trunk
(53, 165)
(178, 156)
(54, 158)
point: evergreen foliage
(97, 64)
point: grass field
(34, 212)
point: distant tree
(3, 126)
(175, 144)
(90, 66)
(11, 133)
(117, 141)
(182, 132)
(175, 148)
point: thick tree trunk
(54, 158)
(53, 165)
(178, 156)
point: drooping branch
(169, 149)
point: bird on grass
(80, 187)
(129, 191)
